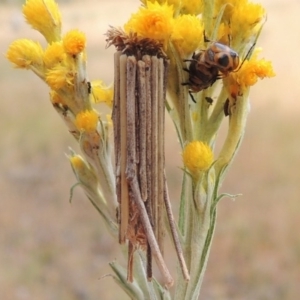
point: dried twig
(124, 199)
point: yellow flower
(187, 34)
(87, 120)
(54, 54)
(250, 13)
(44, 16)
(83, 172)
(154, 21)
(77, 162)
(60, 76)
(249, 73)
(102, 93)
(193, 7)
(74, 42)
(197, 157)
(25, 54)
(245, 17)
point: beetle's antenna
(253, 45)
(246, 57)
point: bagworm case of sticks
(141, 70)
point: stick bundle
(139, 120)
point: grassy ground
(50, 249)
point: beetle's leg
(192, 97)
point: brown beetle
(216, 62)
(201, 75)
(221, 57)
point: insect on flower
(209, 65)
(201, 74)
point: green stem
(237, 124)
(179, 94)
(185, 225)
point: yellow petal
(87, 120)
(44, 16)
(102, 93)
(187, 34)
(154, 21)
(25, 54)
(59, 77)
(54, 54)
(74, 42)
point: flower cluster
(181, 24)
(62, 66)
(158, 22)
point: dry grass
(50, 249)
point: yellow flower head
(82, 171)
(197, 157)
(187, 34)
(77, 162)
(154, 21)
(25, 54)
(54, 54)
(74, 42)
(59, 76)
(245, 20)
(249, 73)
(80, 168)
(44, 16)
(87, 120)
(193, 7)
(102, 93)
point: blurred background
(51, 249)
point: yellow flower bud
(187, 34)
(154, 21)
(74, 42)
(60, 76)
(87, 120)
(197, 157)
(44, 16)
(84, 173)
(54, 54)
(77, 162)
(25, 54)
(102, 93)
